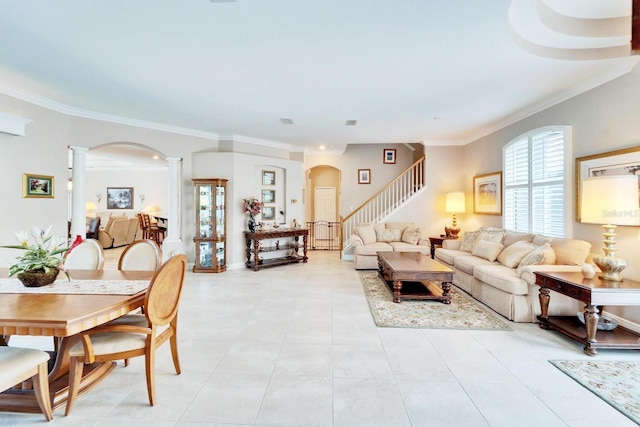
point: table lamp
(611, 201)
(454, 203)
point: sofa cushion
(389, 235)
(491, 236)
(468, 262)
(570, 251)
(504, 278)
(409, 247)
(372, 248)
(512, 255)
(367, 233)
(511, 237)
(468, 240)
(449, 255)
(541, 255)
(540, 240)
(487, 249)
(411, 235)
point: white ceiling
(432, 71)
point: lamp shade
(611, 200)
(90, 206)
(455, 203)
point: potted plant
(41, 261)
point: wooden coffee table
(415, 276)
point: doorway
(324, 229)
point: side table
(593, 292)
(437, 242)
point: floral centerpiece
(252, 207)
(41, 261)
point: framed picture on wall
(619, 162)
(487, 194)
(364, 176)
(268, 196)
(389, 156)
(268, 213)
(37, 186)
(268, 177)
(119, 197)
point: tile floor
(296, 346)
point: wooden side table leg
(397, 288)
(544, 298)
(591, 325)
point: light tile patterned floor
(296, 346)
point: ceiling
(441, 72)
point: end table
(437, 241)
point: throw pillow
(367, 233)
(468, 240)
(411, 235)
(513, 254)
(513, 236)
(570, 251)
(487, 249)
(389, 235)
(541, 255)
(492, 236)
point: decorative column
(173, 244)
(79, 193)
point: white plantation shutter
(534, 190)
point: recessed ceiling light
(351, 122)
(156, 157)
(286, 121)
(322, 147)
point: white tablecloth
(63, 286)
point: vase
(251, 224)
(588, 270)
(36, 278)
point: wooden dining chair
(88, 255)
(141, 255)
(19, 364)
(152, 231)
(135, 334)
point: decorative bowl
(604, 322)
(33, 279)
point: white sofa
(497, 268)
(368, 239)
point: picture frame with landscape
(364, 176)
(487, 194)
(37, 186)
(625, 161)
(119, 197)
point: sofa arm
(451, 244)
(105, 239)
(356, 240)
(423, 242)
(528, 272)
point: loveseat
(368, 239)
(119, 231)
(497, 267)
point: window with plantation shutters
(534, 182)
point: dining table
(64, 310)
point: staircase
(383, 203)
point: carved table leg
(591, 325)
(397, 288)
(304, 248)
(544, 307)
(256, 254)
(446, 288)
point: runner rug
(463, 313)
(615, 382)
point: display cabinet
(211, 235)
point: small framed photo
(389, 156)
(268, 213)
(37, 186)
(268, 196)
(119, 197)
(268, 177)
(487, 194)
(364, 176)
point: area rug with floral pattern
(615, 382)
(463, 313)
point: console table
(285, 253)
(594, 293)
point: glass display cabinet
(210, 236)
